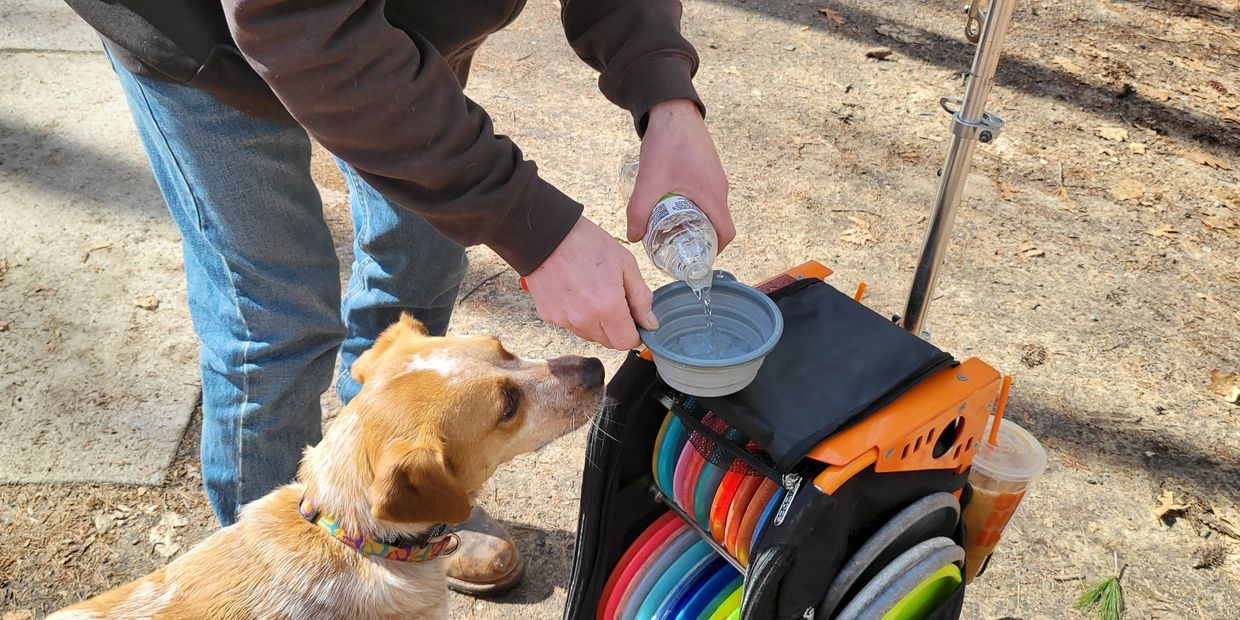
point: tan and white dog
(353, 537)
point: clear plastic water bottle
(679, 239)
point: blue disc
(673, 442)
(708, 588)
(767, 515)
(691, 562)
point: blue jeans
(263, 279)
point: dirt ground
(1096, 259)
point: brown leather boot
(487, 562)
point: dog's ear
(365, 364)
(411, 325)
(413, 484)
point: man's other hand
(591, 286)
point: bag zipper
(792, 482)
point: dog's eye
(512, 402)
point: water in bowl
(708, 344)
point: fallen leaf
(1127, 189)
(902, 34)
(147, 302)
(1219, 223)
(878, 53)
(833, 16)
(104, 522)
(1207, 160)
(1163, 230)
(1068, 66)
(1029, 250)
(163, 535)
(1167, 508)
(1114, 134)
(175, 519)
(1225, 384)
(860, 233)
(1068, 202)
(1137, 148)
(19, 614)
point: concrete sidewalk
(98, 365)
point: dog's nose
(585, 370)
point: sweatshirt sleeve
(387, 103)
(637, 48)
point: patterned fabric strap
(439, 544)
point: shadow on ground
(1122, 103)
(1123, 444)
(58, 164)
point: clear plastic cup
(1000, 477)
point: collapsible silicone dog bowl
(739, 311)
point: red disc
(688, 468)
(723, 500)
(649, 541)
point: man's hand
(678, 156)
(591, 286)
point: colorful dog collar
(439, 542)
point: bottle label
(670, 204)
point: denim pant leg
(401, 264)
(262, 278)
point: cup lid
(1016, 457)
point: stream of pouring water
(703, 295)
(711, 343)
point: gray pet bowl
(738, 310)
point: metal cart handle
(970, 124)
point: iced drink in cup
(1001, 474)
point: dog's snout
(588, 371)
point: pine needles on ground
(1106, 599)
